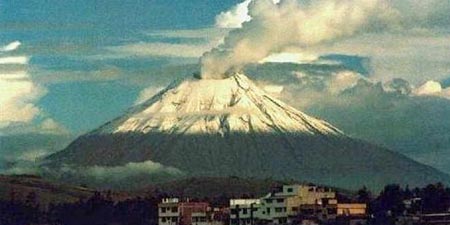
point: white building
(244, 211)
(168, 213)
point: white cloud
(11, 46)
(343, 80)
(160, 49)
(19, 93)
(289, 57)
(62, 76)
(14, 60)
(234, 17)
(414, 56)
(17, 97)
(205, 33)
(432, 88)
(130, 169)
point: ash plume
(291, 23)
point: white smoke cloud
(274, 27)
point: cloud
(130, 169)
(432, 88)
(205, 33)
(235, 17)
(14, 60)
(415, 56)
(106, 73)
(128, 176)
(17, 98)
(288, 57)
(159, 49)
(387, 114)
(10, 47)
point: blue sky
(58, 36)
(67, 67)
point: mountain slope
(231, 127)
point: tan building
(351, 209)
(279, 207)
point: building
(282, 207)
(351, 209)
(329, 210)
(168, 213)
(244, 211)
(172, 211)
(278, 207)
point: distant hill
(212, 188)
(18, 187)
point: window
(163, 219)
(280, 200)
(244, 211)
(163, 209)
(290, 190)
(174, 209)
(279, 209)
(268, 211)
(269, 200)
(174, 219)
(295, 209)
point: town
(290, 204)
(232, 201)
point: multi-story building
(278, 207)
(168, 213)
(282, 206)
(172, 211)
(244, 211)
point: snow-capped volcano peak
(234, 104)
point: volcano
(231, 127)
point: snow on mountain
(234, 104)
